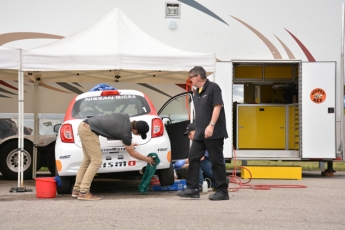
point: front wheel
(166, 176)
(9, 160)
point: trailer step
(272, 172)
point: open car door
(176, 114)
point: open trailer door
(317, 110)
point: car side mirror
(56, 128)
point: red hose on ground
(245, 185)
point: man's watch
(212, 123)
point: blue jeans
(206, 172)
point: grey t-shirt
(115, 126)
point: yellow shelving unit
(261, 127)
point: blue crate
(178, 185)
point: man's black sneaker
(200, 188)
(192, 193)
(219, 195)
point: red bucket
(45, 187)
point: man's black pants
(215, 151)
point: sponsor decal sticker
(116, 164)
(65, 157)
(113, 150)
(113, 164)
(109, 98)
(132, 163)
(318, 95)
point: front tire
(9, 160)
(166, 176)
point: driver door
(176, 114)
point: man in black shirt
(209, 135)
(114, 126)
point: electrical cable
(245, 185)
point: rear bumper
(69, 157)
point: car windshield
(133, 105)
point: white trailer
(287, 55)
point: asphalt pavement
(319, 206)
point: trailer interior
(270, 100)
(268, 123)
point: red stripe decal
(304, 49)
(7, 85)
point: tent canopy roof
(114, 46)
(9, 58)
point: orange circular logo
(318, 95)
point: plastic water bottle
(204, 187)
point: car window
(177, 109)
(133, 105)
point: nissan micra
(116, 161)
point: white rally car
(116, 161)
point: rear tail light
(157, 128)
(66, 133)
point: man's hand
(209, 131)
(131, 151)
(178, 164)
(150, 160)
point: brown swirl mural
(15, 36)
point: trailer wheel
(51, 159)
(67, 183)
(166, 176)
(9, 160)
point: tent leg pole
(20, 136)
(36, 127)
(20, 149)
(22, 129)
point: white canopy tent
(114, 46)
(113, 49)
